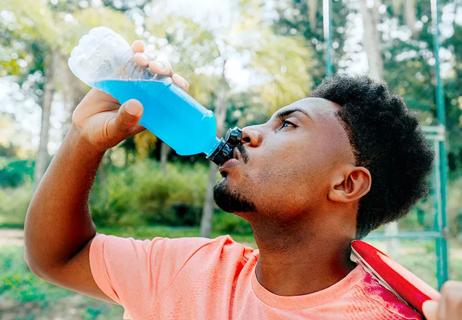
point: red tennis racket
(403, 283)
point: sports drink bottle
(104, 60)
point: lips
(234, 161)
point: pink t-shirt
(201, 278)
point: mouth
(234, 161)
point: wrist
(78, 141)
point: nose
(251, 136)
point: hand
(100, 119)
(449, 307)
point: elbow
(35, 266)
(32, 257)
(32, 265)
(42, 271)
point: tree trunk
(220, 114)
(371, 39)
(72, 90)
(312, 8)
(409, 15)
(396, 4)
(43, 156)
(209, 205)
(164, 151)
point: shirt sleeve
(132, 272)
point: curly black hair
(387, 140)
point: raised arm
(58, 226)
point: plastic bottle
(104, 60)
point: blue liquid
(169, 113)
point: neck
(300, 258)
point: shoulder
(180, 248)
(219, 250)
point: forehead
(318, 109)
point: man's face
(286, 165)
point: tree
(371, 38)
(37, 26)
(305, 18)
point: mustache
(243, 152)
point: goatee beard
(229, 200)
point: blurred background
(244, 59)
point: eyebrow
(283, 114)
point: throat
(291, 268)
(300, 279)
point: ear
(351, 185)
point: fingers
(141, 59)
(450, 306)
(126, 121)
(430, 310)
(136, 129)
(180, 81)
(162, 68)
(129, 114)
(158, 67)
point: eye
(286, 124)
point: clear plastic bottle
(104, 60)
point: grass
(25, 296)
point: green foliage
(294, 19)
(191, 48)
(228, 223)
(13, 204)
(26, 296)
(454, 208)
(143, 193)
(15, 172)
(286, 71)
(20, 285)
(421, 216)
(90, 18)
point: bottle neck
(223, 151)
(214, 145)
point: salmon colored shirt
(201, 278)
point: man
(321, 172)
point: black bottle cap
(224, 151)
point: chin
(231, 200)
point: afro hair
(387, 140)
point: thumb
(430, 310)
(126, 119)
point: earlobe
(352, 186)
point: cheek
(285, 176)
(286, 186)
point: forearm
(58, 223)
